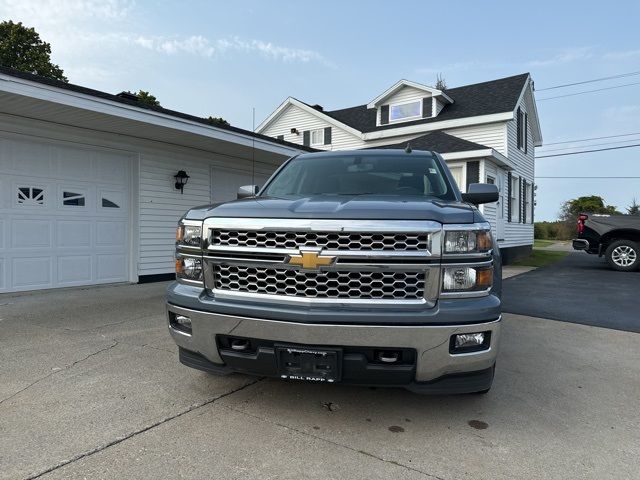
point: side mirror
(481, 193)
(248, 191)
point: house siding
(493, 135)
(516, 233)
(295, 117)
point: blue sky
(223, 58)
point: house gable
(295, 121)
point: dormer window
(405, 111)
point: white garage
(87, 187)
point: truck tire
(623, 255)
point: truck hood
(349, 207)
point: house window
(404, 111)
(106, 203)
(514, 199)
(317, 137)
(457, 173)
(30, 196)
(73, 199)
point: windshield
(365, 174)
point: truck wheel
(623, 255)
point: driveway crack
(337, 444)
(135, 433)
(66, 367)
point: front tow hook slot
(388, 356)
(239, 345)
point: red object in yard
(581, 218)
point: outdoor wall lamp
(295, 131)
(181, 180)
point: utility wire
(595, 178)
(592, 138)
(601, 79)
(588, 151)
(588, 91)
(592, 145)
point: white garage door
(64, 215)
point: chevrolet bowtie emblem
(310, 260)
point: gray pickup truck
(359, 267)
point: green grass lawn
(537, 243)
(540, 258)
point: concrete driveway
(90, 387)
(580, 288)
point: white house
(487, 132)
(87, 187)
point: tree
(441, 84)
(22, 48)
(593, 204)
(218, 121)
(634, 208)
(147, 98)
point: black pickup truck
(617, 237)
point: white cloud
(204, 47)
(566, 56)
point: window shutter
(306, 138)
(384, 114)
(533, 197)
(508, 196)
(327, 136)
(525, 133)
(519, 128)
(521, 202)
(473, 173)
(427, 107)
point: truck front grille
(331, 284)
(342, 241)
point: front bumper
(433, 363)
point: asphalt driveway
(90, 387)
(580, 288)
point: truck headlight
(467, 279)
(189, 268)
(467, 241)
(189, 235)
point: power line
(588, 91)
(595, 178)
(601, 79)
(592, 145)
(589, 151)
(592, 138)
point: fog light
(469, 342)
(181, 323)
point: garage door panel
(30, 233)
(111, 267)
(74, 269)
(111, 234)
(2, 229)
(72, 233)
(110, 168)
(73, 163)
(31, 272)
(30, 158)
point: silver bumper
(431, 342)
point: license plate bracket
(307, 363)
